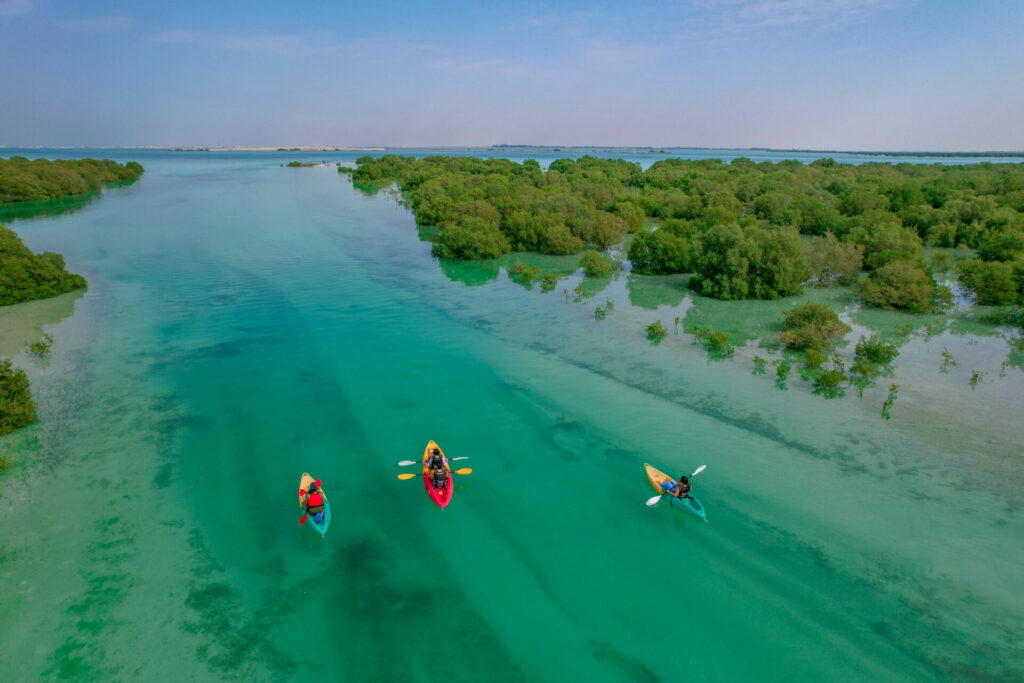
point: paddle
(405, 476)
(406, 463)
(651, 502)
(302, 521)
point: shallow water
(246, 323)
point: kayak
(442, 496)
(691, 504)
(311, 520)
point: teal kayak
(322, 528)
(693, 506)
(304, 483)
(656, 477)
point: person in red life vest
(314, 501)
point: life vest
(315, 503)
(439, 478)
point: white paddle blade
(406, 463)
(699, 470)
(465, 457)
(651, 502)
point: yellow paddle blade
(464, 470)
(407, 475)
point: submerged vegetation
(715, 341)
(41, 347)
(656, 332)
(26, 186)
(889, 401)
(874, 350)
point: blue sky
(822, 74)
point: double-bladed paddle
(406, 463)
(409, 475)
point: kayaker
(315, 502)
(436, 459)
(438, 477)
(680, 489)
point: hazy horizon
(850, 75)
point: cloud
(111, 24)
(740, 15)
(280, 45)
(16, 8)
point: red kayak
(442, 495)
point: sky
(939, 75)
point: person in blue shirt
(678, 489)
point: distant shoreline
(599, 149)
(273, 149)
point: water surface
(246, 322)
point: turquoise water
(246, 323)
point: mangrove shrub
(16, 407)
(25, 276)
(904, 285)
(811, 326)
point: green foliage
(813, 359)
(548, 281)
(1009, 317)
(976, 376)
(751, 262)
(947, 360)
(759, 365)
(889, 400)
(833, 262)
(732, 224)
(299, 164)
(993, 283)
(811, 326)
(25, 276)
(782, 369)
(16, 407)
(42, 347)
(885, 240)
(472, 239)
(5, 463)
(600, 313)
(874, 350)
(904, 285)
(829, 383)
(656, 332)
(862, 375)
(660, 252)
(595, 264)
(39, 180)
(523, 274)
(715, 341)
